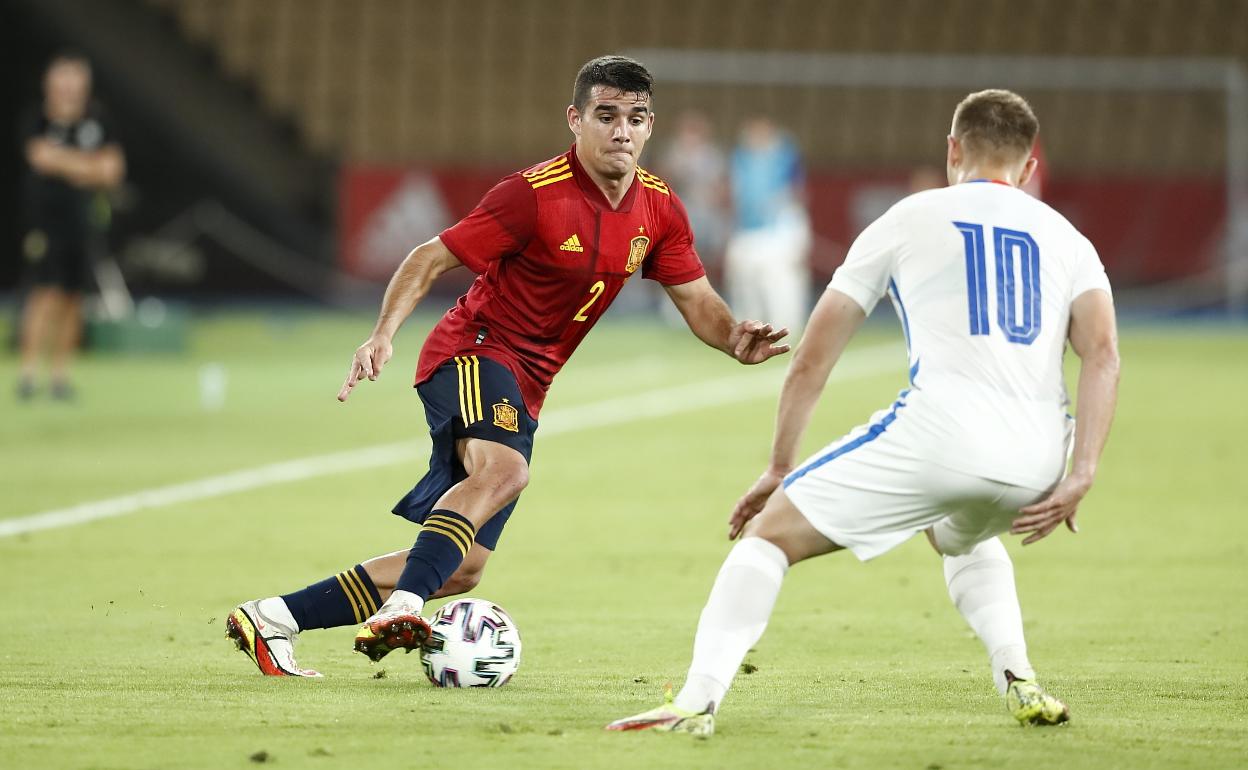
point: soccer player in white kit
(990, 284)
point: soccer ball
(474, 643)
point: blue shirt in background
(764, 183)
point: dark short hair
(996, 123)
(619, 72)
(69, 56)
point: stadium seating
(383, 80)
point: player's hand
(366, 363)
(1038, 520)
(752, 342)
(753, 501)
(43, 155)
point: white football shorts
(876, 487)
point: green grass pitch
(113, 656)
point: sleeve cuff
(692, 274)
(1100, 282)
(859, 292)
(451, 242)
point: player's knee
(519, 476)
(933, 542)
(764, 530)
(502, 469)
(462, 582)
(509, 476)
(949, 542)
(955, 549)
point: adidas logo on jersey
(572, 244)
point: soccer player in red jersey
(551, 246)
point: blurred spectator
(71, 155)
(698, 169)
(766, 263)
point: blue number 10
(1019, 320)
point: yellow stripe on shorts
(469, 370)
(465, 399)
(476, 385)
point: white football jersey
(982, 276)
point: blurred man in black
(70, 157)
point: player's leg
(37, 323)
(981, 585)
(743, 595)
(787, 292)
(857, 493)
(496, 476)
(65, 343)
(785, 285)
(74, 266)
(385, 571)
(758, 273)
(744, 275)
(267, 629)
(980, 578)
(353, 596)
(736, 614)
(46, 259)
(489, 465)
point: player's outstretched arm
(407, 288)
(832, 324)
(1094, 337)
(708, 316)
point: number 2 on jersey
(597, 289)
(1017, 259)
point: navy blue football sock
(346, 598)
(439, 550)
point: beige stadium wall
(486, 81)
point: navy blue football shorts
(468, 397)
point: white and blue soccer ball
(474, 643)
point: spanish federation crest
(507, 417)
(636, 253)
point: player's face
(612, 131)
(68, 87)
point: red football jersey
(551, 255)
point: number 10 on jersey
(1017, 260)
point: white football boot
(669, 718)
(265, 630)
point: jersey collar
(593, 195)
(990, 181)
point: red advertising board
(1147, 229)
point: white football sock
(274, 610)
(981, 584)
(734, 618)
(402, 601)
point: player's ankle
(403, 601)
(700, 694)
(276, 610)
